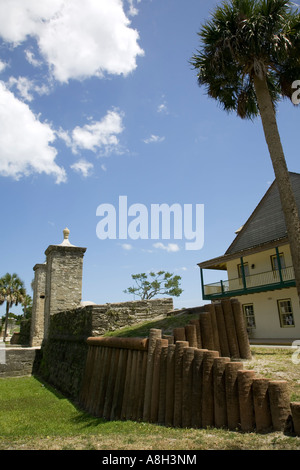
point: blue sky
(103, 103)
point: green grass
(166, 324)
(35, 416)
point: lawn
(35, 416)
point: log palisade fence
(193, 378)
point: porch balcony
(260, 282)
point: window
(246, 270)
(285, 313)
(240, 272)
(274, 261)
(248, 310)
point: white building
(259, 270)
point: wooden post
(187, 375)
(295, 409)
(100, 400)
(170, 385)
(124, 413)
(111, 383)
(279, 403)
(162, 384)
(262, 412)
(206, 331)
(95, 379)
(220, 406)
(131, 397)
(211, 309)
(198, 332)
(179, 347)
(222, 330)
(156, 379)
(197, 387)
(179, 334)
(232, 396)
(191, 335)
(143, 385)
(207, 389)
(116, 408)
(230, 329)
(87, 376)
(154, 335)
(245, 379)
(241, 330)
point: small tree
(160, 283)
(27, 306)
(12, 291)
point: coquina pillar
(38, 305)
(63, 278)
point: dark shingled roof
(266, 223)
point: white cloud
(99, 136)
(3, 66)
(31, 59)
(84, 167)
(25, 142)
(126, 246)
(26, 87)
(76, 42)
(170, 247)
(162, 108)
(154, 139)
(132, 9)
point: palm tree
(27, 306)
(248, 61)
(12, 291)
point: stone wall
(64, 351)
(18, 361)
(110, 317)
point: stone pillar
(63, 278)
(38, 305)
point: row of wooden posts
(172, 381)
(220, 327)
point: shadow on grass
(83, 417)
(50, 387)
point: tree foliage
(244, 39)
(160, 283)
(248, 61)
(12, 291)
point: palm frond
(244, 38)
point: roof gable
(266, 222)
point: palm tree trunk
(287, 197)
(6, 321)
